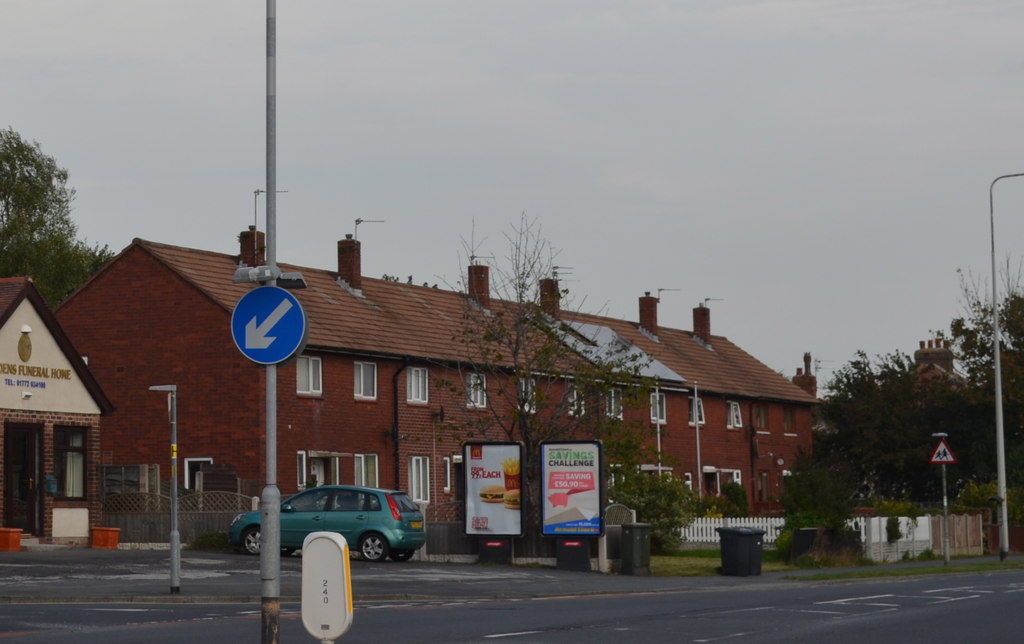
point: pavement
(64, 575)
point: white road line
(854, 599)
(730, 636)
(498, 635)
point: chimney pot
(350, 262)
(702, 323)
(251, 246)
(549, 297)
(480, 284)
(649, 312)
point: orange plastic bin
(10, 539)
(106, 538)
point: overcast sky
(820, 168)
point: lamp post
(172, 402)
(1004, 529)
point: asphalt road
(937, 609)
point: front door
(21, 484)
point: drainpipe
(395, 437)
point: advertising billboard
(493, 488)
(571, 488)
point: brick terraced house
(367, 401)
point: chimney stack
(649, 313)
(937, 353)
(350, 262)
(479, 286)
(252, 244)
(702, 323)
(805, 378)
(550, 297)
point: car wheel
(251, 540)
(402, 555)
(373, 547)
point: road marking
(498, 635)
(730, 636)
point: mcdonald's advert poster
(571, 488)
(493, 489)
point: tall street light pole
(172, 402)
(1004, 528)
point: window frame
(419, 479)
(418, 385)
(700, 410)
(760, 414)
(576, 403)
(69, 457)
(527, 390)
(313, 370)
(359, 377)
(300, 469)
(733, 415)
(360, 470)
(476, 391)
(659, 408)
(613, 403)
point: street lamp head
(171, 388)
(940, 435)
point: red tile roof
(396, 319)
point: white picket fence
(702, 530)
(916, 535)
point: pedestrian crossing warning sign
(942, 454)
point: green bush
(975, 497)
(665, 503)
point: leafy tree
(818, 495)
(545, 379)
(879, 417)
(972, 338)
(37, 236)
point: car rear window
(404, 503)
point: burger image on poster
(511, 499)
(492, 493)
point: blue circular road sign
(268, 325)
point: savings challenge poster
(571, 488)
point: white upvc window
(417, 390)
(308, 373)
(575, 400)
(447, 473)
(734, 419)
(476, 390)
(658, 411)
(366, 380)
(366, 470)
(419, 479)
(614, 403)
(300, 470)
(700, 410)
(527, 394)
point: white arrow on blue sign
(268, 325)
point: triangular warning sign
(942, 454)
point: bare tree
(537, 371)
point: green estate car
(376, 523)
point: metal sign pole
(175, 536)
(945, 520)
(270, 501)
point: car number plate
(416, 524)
